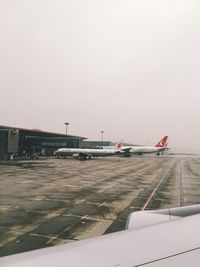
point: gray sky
(130, 68)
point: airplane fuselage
(146, 149)
(84, 152)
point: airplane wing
(125, 151)
(167, 238)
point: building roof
(40, 132)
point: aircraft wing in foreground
(169, 237)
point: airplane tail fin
(162, 142)
(118, 145)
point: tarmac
(53, 201)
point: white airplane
(163, 238)
(160, 147)
(88, 153)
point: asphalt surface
(54, 201)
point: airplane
(88, 153)
(168, 237)
(160, 147)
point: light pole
(102, 132)
(66, 124)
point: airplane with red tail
(160, 147)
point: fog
(128, 68)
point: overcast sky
(128, 67)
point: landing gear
(84, 157)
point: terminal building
(28, 143)
(96, 144)
(23, 143)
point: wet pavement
(53, 201)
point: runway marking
(154, 191)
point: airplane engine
(140, 219)
(76, 156)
